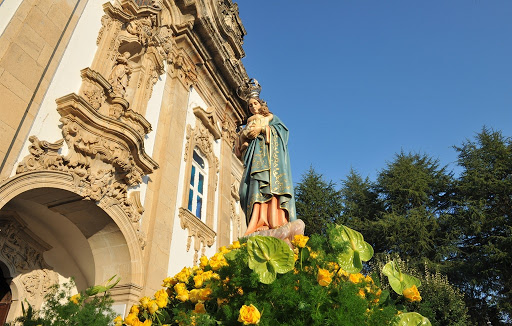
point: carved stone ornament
(131, 53)
(104, 98)
(21, 249)
(229, 132)
(36, 285)
(202, 234)
(105, 157)
(183, 68)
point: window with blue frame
(197, 187)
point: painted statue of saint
(266, 189)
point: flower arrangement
(261, 281)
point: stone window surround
(201, 138)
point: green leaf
(230, 255)
(411, 319)
(398, 280)
(355, 253)
(269, 256)
(95, 289)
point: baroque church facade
(116, 142)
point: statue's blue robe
(267, 171)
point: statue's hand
(254, 132)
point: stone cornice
(209, 120)
(77, 107)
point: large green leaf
(356, 251)
(269, 256)
(411, 319)
(398, 280)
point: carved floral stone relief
(22, 251)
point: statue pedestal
(285, 232)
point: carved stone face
(254, 106)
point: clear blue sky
(358, 81)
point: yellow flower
(134, 310)
(118, 321)
(144, 301)
(218, 261)
(131, 319)
(333, 265)
(324, 277)
(183, 275)
(412, 294)
(194, 295)
(235, 245)
(361, 293)
(204, 294)
(152, 306)
(198, 281)
(161, 298)
(368, 279)
(313, 254)
(220, 301)
(300, 240)
(199, 308)
(249, 315)
(295, 257)
(182, 292)
(169, 282)
(203, 261)
(342, 272)
(224, 250)
(356, 278)
(147, 322)
(75, 298)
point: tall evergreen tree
(483, 266)
(414, 190)
(317, 201)
(362, 208)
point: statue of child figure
(255, 124)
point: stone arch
(100, 241)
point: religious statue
(266, 189)
(119, 77)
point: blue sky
(358, 81)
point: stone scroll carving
(105, 157)
(202, 234)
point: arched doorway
(50, 233)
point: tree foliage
(416, 208)
(317, 201)
(482, 266)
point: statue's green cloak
(267, 171)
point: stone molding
(202, 234)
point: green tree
(415, 193)
(317, 201)
(482, 267)
(362, 207)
